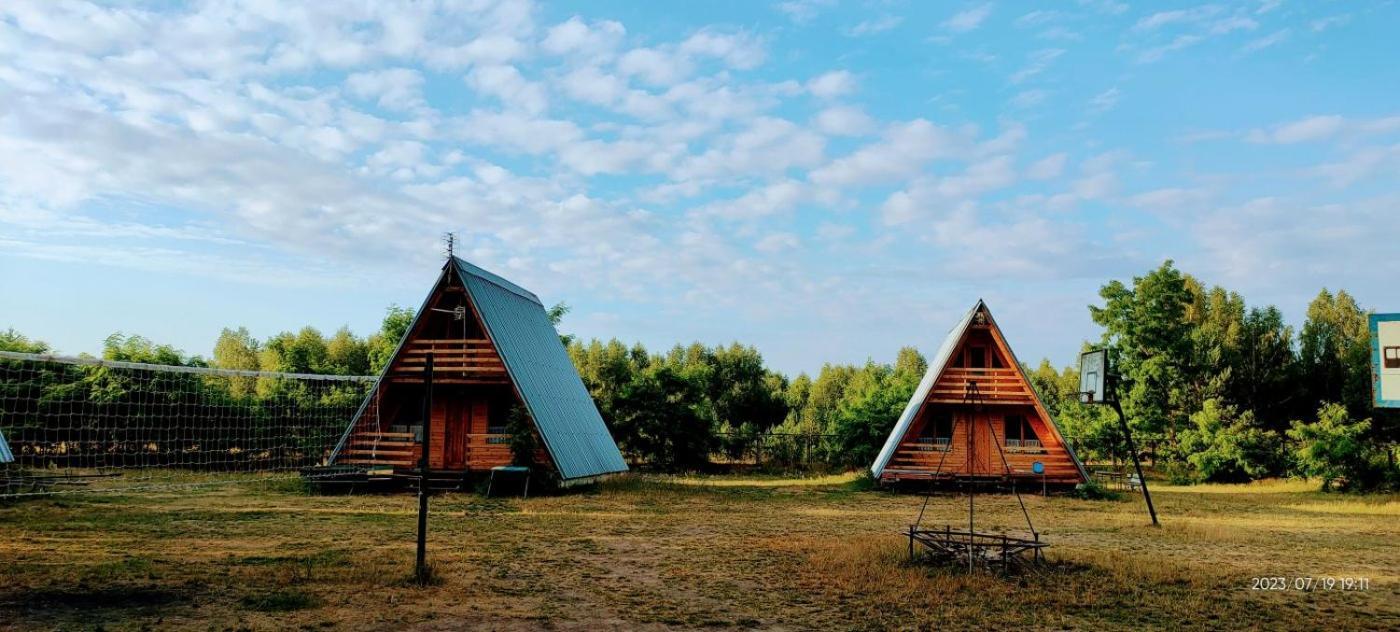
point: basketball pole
(420, 569)
(1137, 465)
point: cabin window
(498, 415)
(977, 357)
(1019, 434)
(1392, 357)
(939, 429)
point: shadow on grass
(285, 600)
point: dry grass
(662, 553)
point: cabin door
(452, 415)
(981, 450)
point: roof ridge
(469, 268)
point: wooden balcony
(461, 361)
(994, 386)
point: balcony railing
(1024, 445)
(933, 444)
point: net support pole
(420, 569)
(1137, 465)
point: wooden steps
(381, 449)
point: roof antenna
(450, 238)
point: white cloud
(653, 66)
(1308, 129)
(1322, 24)
(1028, 98)
(507, 84)
(395, 88)
(591, 84)
(1156, 53)
(1360, 165)
(1171, 199)
(844, 121)
(1177, 16)
(1266, 41)
(871, 27)
(778, 197)
(577, 37)
(902, 151)
(802, 11)
(832, 84)
(1104, 101)
(777, 242)
(968, 19)
(737, 50)
(1048, 167)
(1036, 63)
(929, 195)
(767, 146)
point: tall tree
(238, 349)
(1334, 354)
(1149, 339)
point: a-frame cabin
(493, 349)
(975, 384)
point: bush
(1092, 490)
(1335, 449)
(1225, 447)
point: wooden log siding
(995, 386)
(460, 361)
(915, 459)
(484, 451)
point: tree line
(1215, 389)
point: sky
(827, 180)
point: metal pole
(421, 568)
(972, 472)
(1132, 450)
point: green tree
(556, 315)
(123, 348)
(1150, 343)
(238, 349)
(868, 409)
(383, 343)
(302, 352)
(826, 394)
(1334, 353)
(346, 354)
(1334, 448)
(1225, 446)
(11, 340)
(1266, 369)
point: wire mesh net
(81, 425)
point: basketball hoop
(1093, 377)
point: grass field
(659, 553)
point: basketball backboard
(1385, 360)
(1093, 376)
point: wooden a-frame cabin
(493, 349)
(975, 383)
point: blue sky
(826, 180)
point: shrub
(1225, 447)
(1335, 449)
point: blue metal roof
(5, 455)
(574, 433)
